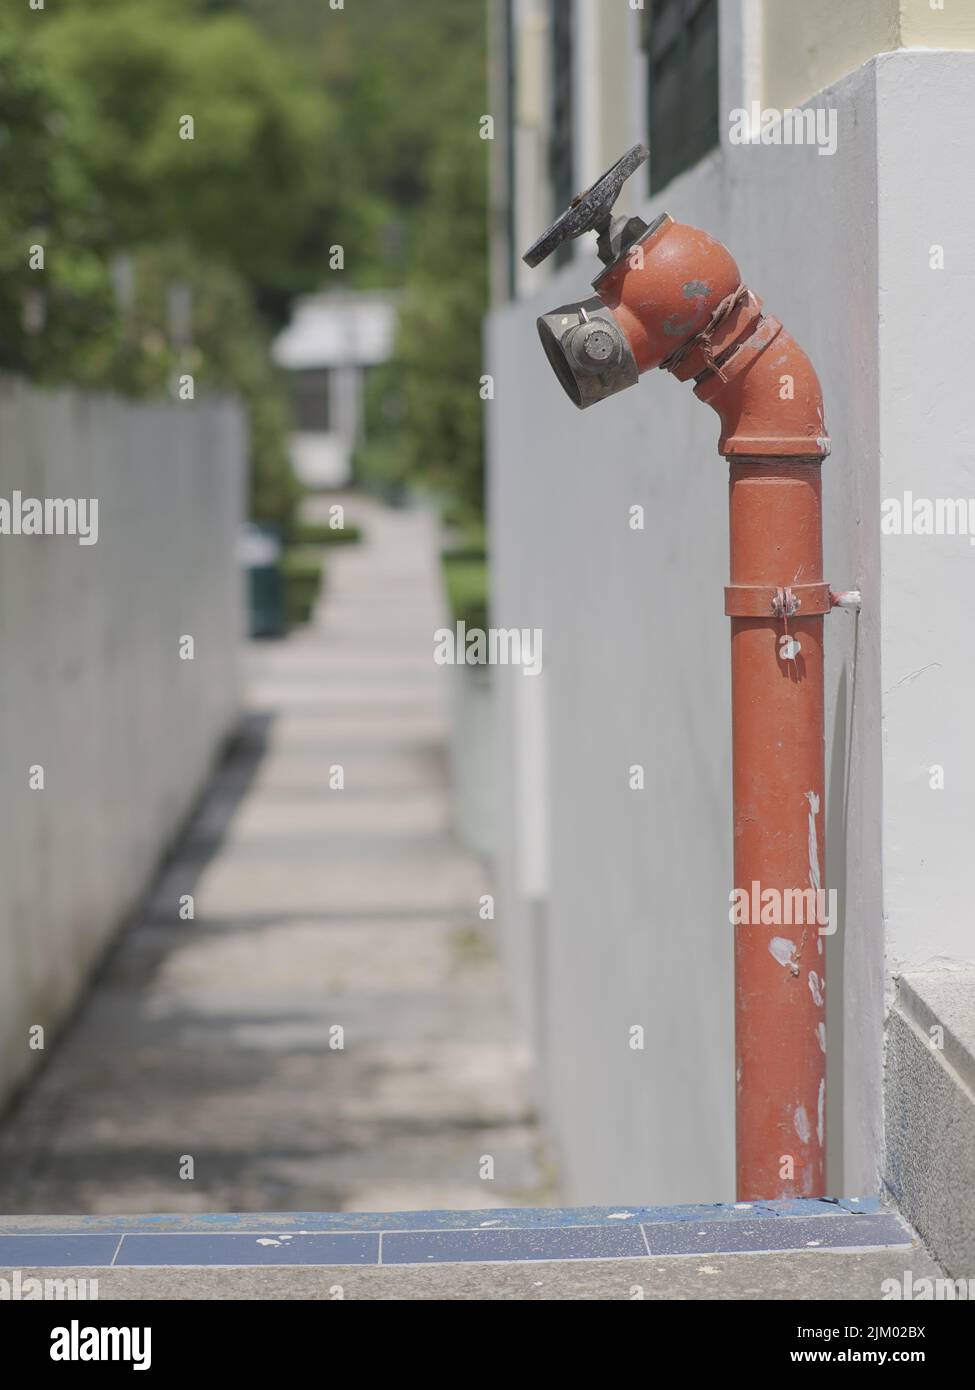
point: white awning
(339, 329)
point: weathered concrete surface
(314, 909)
(930, 1094)
(847, 1277)
(93, 686)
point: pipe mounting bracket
(776, 600)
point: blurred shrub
(380, 463)
(320, 533)
(439, 339)
(466, 579)
(302, 573)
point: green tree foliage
(401, 74)
(240, 190)
(439, 341)
(94, 170)
(312, 127)
(46, 201)
(408, 80)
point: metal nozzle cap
(588, 351)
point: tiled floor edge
(215, 1246)
(509, 1218)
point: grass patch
(320, 533)
(466, 579)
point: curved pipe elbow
(768, 398)
(675, 300)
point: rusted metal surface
(677, 299)
(769, 402)
(778, 818)
(665, 289)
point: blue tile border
(344, 1248)
(370, 1238)
(881, 1231)
(54, 1251)
(511, 1218)
(553, 1243)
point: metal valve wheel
(590, 211)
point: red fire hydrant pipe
(778, 796)
(681, 305)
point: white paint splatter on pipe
(821, 1111)
(784, 951)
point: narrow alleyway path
(316, 910)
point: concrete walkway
(328, 1032)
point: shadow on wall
(836, 829)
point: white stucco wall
(927, 436)
(632, 928)
(92, 686)
(805, 46)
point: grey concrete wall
(92, 686)
(471, 752)
(931, 1111)
(615, 902)
(927, 448)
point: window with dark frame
(510, 63)
(309, 400)
(560, 154)
(681, 42)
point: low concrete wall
(472, 754)
(92, 685)
(931, 1111)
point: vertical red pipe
(778, 790)
(684, 307)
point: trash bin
(260, 551)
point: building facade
(330, 343)
(614, 767)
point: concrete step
(856, 1249)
